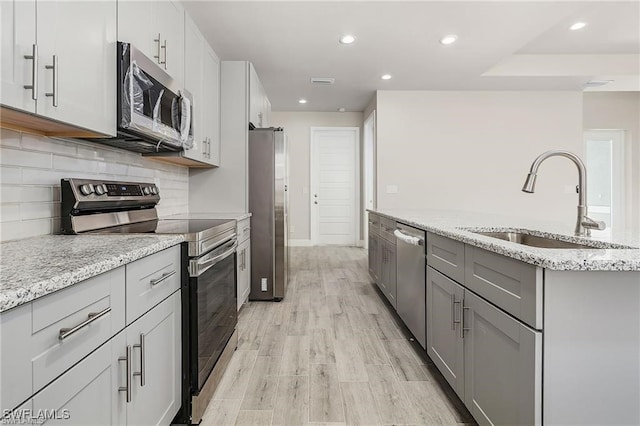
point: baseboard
(300, 243)
(361, 243)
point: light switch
(392, 189)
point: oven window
(216, 315)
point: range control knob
(86, 189)
(146, 190)
(100, 189)
(154, 190)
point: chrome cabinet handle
(141, 373)
(164, 277)
(127, 387)
(463, 328)
(246, 229)
(164, 46)
(34, 72)
(91, 317)
(157, 40)
(54, 68)
(454, 321)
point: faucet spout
(584, 224)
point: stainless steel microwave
(155, 113)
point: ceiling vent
(323, 81)
(597, 83)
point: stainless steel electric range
(208, 291)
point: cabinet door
(169, 22)
(193, 82)
(445, 344)
(211, 105)
(373, 255)
(88, 394)
(383, 268)
(18, 37)
(244, 273)
(255, 102)
(135, 26)
(391, 274)
(503, 366)
(156, 343)
(82, 73)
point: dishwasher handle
(409, 239)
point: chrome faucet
(584, 224)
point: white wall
(297, 126)
(472, 151)
(619, 111)
(31, 168)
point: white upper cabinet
(18, 40)
(74, 64)
(77, 50)
(259, 105)
(157, 29)
(202, 80)
(211, 105)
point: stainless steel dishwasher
(410, 292)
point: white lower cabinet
(243, 261)
(491, 360)
(142, 361)
(156, 365)
(88, 394)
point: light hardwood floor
(332, 352)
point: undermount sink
(534, 240)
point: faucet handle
(589, 223)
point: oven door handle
(199, 266)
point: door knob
(315, 202)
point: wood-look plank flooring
(332, 352)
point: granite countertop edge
(16, 296)
(596, 259)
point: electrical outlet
(263, 284)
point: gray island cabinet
(521, 344)
(525, 335)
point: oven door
(212, 306)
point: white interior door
(335, 185)
(605, 154)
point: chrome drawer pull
(157, 40)
(463, 328)
(454, 321)
(164, 276)
(34, 72)
(127, 388)
(142, 356)
(66, 332)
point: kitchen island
(529, 335)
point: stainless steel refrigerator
(268, 201)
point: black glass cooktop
(192, 229)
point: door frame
(368, 144)
(313, 214)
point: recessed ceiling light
(347, 39)
(386, 77)
(578, 26)
(448, 39)
(302, 101)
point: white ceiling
(502, 45)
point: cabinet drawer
(151, 280)
(446, 255)
(244, 229)
(387, 226)
(45, 349)
(374, 223)
(510, 284)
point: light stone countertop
(212, 215)
(34, 267)
(451, 224)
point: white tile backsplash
(31, 168)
